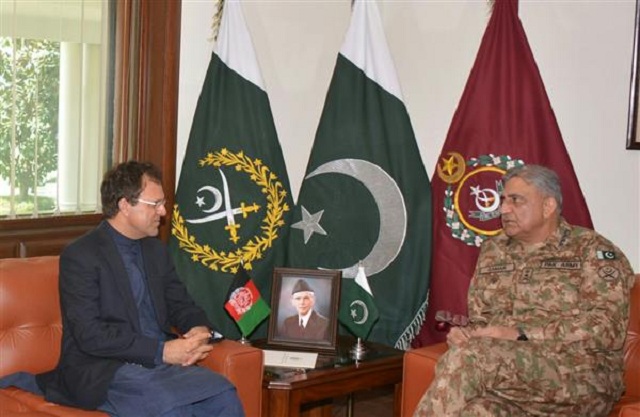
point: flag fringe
(412, 330)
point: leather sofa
(31, 329)
(419, 366)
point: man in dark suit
(121, 298)
(307, 324)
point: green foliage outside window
(29, 96)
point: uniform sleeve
(601, 317)
(475, 304)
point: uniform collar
(556, 240)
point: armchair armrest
(418, 372)
(243, 366)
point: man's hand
(457, 336)
(192, 347)
(497, 332)
(460, 335)
(195, 331)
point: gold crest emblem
(463, 177)
(275, 194)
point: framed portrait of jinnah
(304, 305)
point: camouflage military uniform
(571, 297)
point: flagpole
(243, 340)
(350, 405)
(359, 350)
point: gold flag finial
(217, 18)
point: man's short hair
(543, 178)
(125, 180)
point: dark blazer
(317, 327)
(100, 327)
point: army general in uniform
(548, 312)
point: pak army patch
(609, 273)
(606, 255)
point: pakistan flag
(233, 200)
(366, 195)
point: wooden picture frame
(633, 136)
(301, 287)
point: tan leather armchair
(31, 329)
(419, 366)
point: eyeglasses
(155, 204)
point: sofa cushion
(632, 345)
(419, 367)
(30, 324)
(18, 403)
(31, 331)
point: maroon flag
(504, 119)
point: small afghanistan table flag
(245, 304)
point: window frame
(156, 111)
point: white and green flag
(358, 311)
(233, 202)
(366, 195)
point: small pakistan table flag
(358, 311)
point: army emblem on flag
(472, 196)
(520, 122)
(222, 209)
(232, 201)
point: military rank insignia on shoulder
(606, 255)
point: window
(54, 72)
(144, 63)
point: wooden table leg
(280, 404)
(397, 400)
(321, 411)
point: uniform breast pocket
(555, 290)
(494, 292)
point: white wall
(582, 47)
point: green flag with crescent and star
(233, 199)
(366, 194)
(358, 311)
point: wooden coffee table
(289, 393)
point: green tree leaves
(29, 96)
